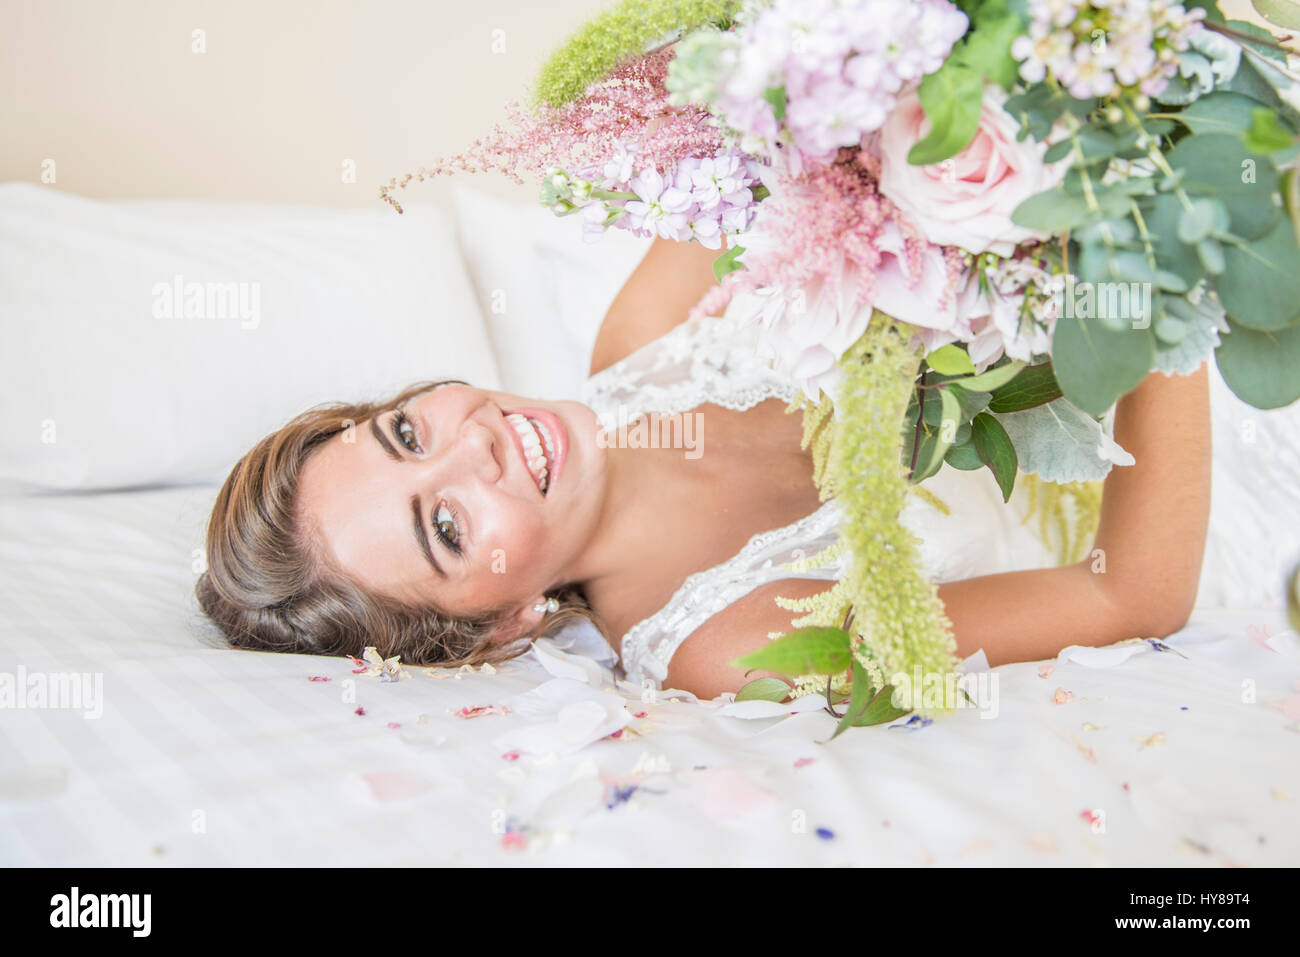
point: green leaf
(1260, 284)
(1285, 13)
(1219, 112)
(996, 451)
(950, 360)
(880, 710)
(776, 96)
(1211, 255)
(991, 379)
(861, 695)
(1170, 330)
(1217, 164)
(1204, 217)
(1172, 255)
(973, 401)
(988, 48)
(728, 262)
(965, 457)
(952, 99)
(1033, 385)
(1061, 443)
(764, 689)
(1291, 198)
(1266, 133)
(1053, 211)
(1260, 366)
(1094, 364)
(805, 651)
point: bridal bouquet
(965, 228)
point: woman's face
(442, 500)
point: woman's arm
(1151, 537)
(659, 294)
(1141, 577)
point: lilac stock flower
(835, 66)
(701, 198)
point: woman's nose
(475, 449)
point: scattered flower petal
(480, 711)
(1045, 670)
(1061, 696)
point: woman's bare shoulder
(659, 295)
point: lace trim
(705, 593)
(701, 361)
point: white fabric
(107, 383)
(543, 291)
(209, 757)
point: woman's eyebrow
(391, 452)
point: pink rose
(967, 200)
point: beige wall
(286, 91)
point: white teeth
(534, 437)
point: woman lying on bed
(451, 525)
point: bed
(131, 737)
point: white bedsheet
(210, 756)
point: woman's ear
(520, 622)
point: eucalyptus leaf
(1211, 256)
(1260, 284)
(1219, 165)
(1096, 365)
(1172, 255)
(1219, 112)
(1259, 365)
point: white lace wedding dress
(709, 360)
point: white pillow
(108, 384)
(543, 291)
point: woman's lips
(543, 425)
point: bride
(452, 525)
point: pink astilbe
(629, 106)
(826, 250)
(827, 220)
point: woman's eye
(402, 429)
(444, 522)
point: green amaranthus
(627, 29)
(897, 622)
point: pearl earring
(550, 605)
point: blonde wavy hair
(268, 587)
